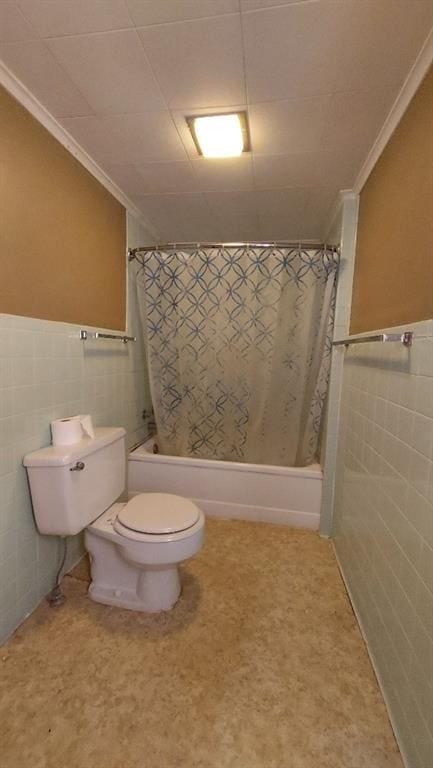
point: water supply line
(56, 597)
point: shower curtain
(238, 344)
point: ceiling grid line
(247, 99)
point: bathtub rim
(143, 454)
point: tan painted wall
(393, 281)
(62, 234)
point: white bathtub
(289, 495)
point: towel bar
(85, 335)
(404, 338)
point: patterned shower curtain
(238, 346)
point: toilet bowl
(135, 549)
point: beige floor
(260, 665)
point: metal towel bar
(85, 335)
(404, 338)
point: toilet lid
(158, 513)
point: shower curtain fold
(238, 349)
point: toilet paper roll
(71, 430)
(87, 424)
(66, 431)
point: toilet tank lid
(62, 455)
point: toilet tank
(67, 496)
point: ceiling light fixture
(220, 135)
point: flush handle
(78, 467)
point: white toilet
(135, 547)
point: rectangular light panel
(220, 135)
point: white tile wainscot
(383, 522)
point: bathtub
(288, 495)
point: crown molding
(407, 92)
(25, 97)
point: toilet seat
(157, 514)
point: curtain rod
(132, 252)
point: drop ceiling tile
(167, 177)
(153, 235)
(224, 174)
(244, 229)
(197, 63)
(202, 230)
(126, 176)
(12, 24)
(148, 136)
(280, 127)
(226, 204)
(235, 215)
(179, 217)
(308, 169)
(381, 42)
(156, 213)
(35, 66)
(71, 17)
(355, 118)
(292, 50)
(318, 210)
(99, 142)
(145, 12)
(111, 71)
(281, 212)
(125, 139)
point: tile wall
(383, 523)
(46, 373)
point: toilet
(135, 548)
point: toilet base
(140, 576)
(156, 591)
(116, 581)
